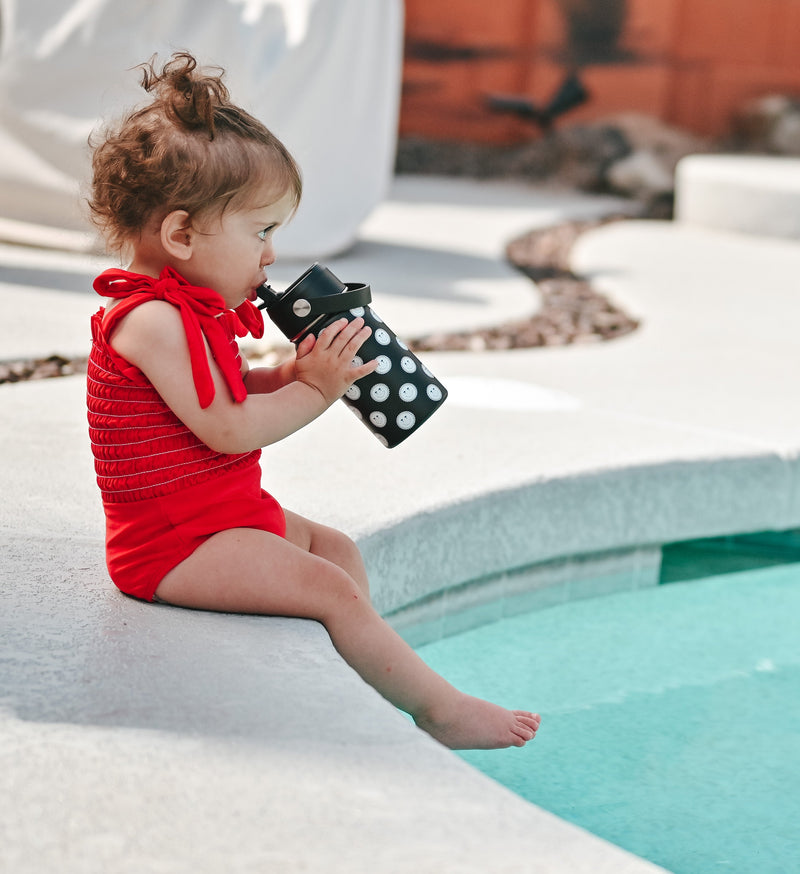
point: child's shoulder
(154, 315)
(152, 322)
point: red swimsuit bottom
(146, 540)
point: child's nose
(267, 256)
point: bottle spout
(268, 295)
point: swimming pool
(671, 716)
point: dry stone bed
(40, 368)
(571, 310)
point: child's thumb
(306, 345)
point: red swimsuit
(164, 491)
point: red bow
(203, 313)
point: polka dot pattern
(401, 394)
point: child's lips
(254, 290)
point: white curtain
(324, 75)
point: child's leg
(328, 543)
(244, 570)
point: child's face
(229, 254)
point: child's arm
(152, 338)
(260, 380)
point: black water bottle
(401, 393)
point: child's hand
(326, 362)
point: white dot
(382, 337)
(376, 316)
(356, 412)
(408, 364)
(408, 392)
(401, 344)
(357, 361)
(383, 440)
(434, 392)
(378, 419)
(384, 364)
(379, 392)
(357, 311)
(354, 392)
(406, 420)
(427, 372)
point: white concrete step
(753, 194)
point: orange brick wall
(689, 62)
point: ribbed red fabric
(141, 448)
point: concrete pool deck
(141, 738)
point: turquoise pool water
(671, 716)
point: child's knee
(339, 548)
(341, 593)
(349, 546)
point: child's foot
(474, 724)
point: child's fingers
(349, 337)
(305, 345)
(358, 339)
(339, 343)
(346, 338)
(328, 335)
(364, 370)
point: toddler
(189, 190)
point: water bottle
(401, 393)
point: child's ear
(177, 235)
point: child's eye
(262, 235)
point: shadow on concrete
(74, 650)
(51, 279)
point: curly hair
(189, 149)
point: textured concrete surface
(142, 738)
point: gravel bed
(571, 310)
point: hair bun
(188, 148)
(190, 96)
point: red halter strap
(203, 313)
